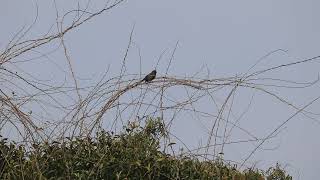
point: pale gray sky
(226, 36)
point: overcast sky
(227, 37)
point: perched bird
(150, 76)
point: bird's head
(154, 72)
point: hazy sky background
(226, 36)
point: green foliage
(133, 154)
(277, 173)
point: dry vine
(125, 97)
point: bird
(150, 76)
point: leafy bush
(133, 154)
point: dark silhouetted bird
(150, 76)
